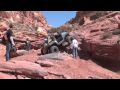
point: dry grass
(61, 29)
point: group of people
(8, 39)
(10, 44)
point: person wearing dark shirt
(28, 44)
(9, 42)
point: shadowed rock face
(99, 38)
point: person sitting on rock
(28, 44)
(74, 47)
(53, 40)
(49, 38)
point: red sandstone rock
(79, 18)
(93, 44)
(78, 69)
(30, 56)
(22, 77)
(18, 53)
(45, 63)
(28, 69)
(26, 17)
(68, 68)
(6, 76)
(25, 24)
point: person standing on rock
(28, 44)
(74, 47)
(9, 41)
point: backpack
(4, 39)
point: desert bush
(106, 35)
(67, 28)
(116, 32)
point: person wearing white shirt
(74, 47)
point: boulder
(25, 68)
(18, 53)
(53, 56)
(22, 77)
(44, 63)
(7, 76)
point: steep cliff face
(100, 36)
(28, 65)
(31, 18)
(83, 17)
(24, 21)
(26, 24)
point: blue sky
(58, 18)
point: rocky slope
(83, 17)
(52, 66)
(98, 42)
(99, 37)
(31, 18)
(26, 24)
